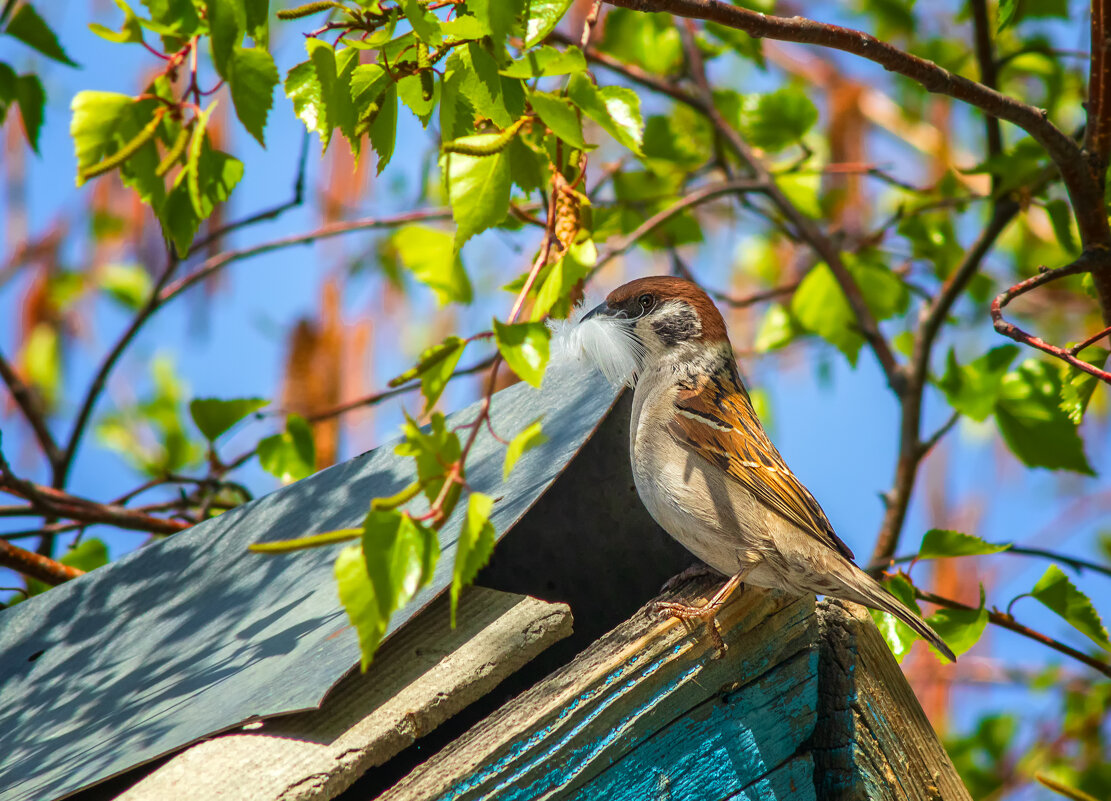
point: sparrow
(703, 464)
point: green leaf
(302, 87)
(530, 437)
(358, 599)
(524, 346)
(648, 40)
(898, 635)
(435, 366)
(560, 116)
(615, 108)
(554, 296)
(433, 449)
(974, 388)
(960, 628)
(42, 359)
(32, 101)
(1007, 9)
(214, 416)
(398, 557)
(543, 16)
(425, 24)
(227, 22)
(478, 187)
(1078, 386)
(1032, 423)
(472, 86)
(129, 284)
(1059, 594)
(333, 71)
(252, 76)
(28, 27)
(546, 61)
(500, 17)
(474, 546)
(291, 455)
(218, 174)
(821, 308)
(132, 31)
(383, 131)
(7, 90)
(430, 256)
(96, 116)
(938, 543)
(776, 120)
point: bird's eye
(645, 301)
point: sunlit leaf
(435, 366)
(474, 546)
(543, 16)
(530, 437)
(525, 347)
(429, 254)
(546, 61)
(938, 543)
(478, 187)
(252, 76)
(291, 455)
(1059, 594)
(615, 108)
(129, 284)
(898, 635)
(560, 116)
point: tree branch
(221, 260)
(1061, 148)
(911, 449)
(36, 565)
(1081, 265)
(1008, 622)
(807, 230)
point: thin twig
(1081, 265)
(1008, 622)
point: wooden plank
(648, 681)
(873, 739)
(420, 678)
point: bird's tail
(871, 593)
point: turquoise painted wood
(807, 704)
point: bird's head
(650, 321)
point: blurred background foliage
(390, 169)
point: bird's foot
(707, 614)
(697, 570)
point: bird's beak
(601, 310)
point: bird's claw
(707, 614)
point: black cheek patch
(677, 326)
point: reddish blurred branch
(1018, 335)
(36, 565)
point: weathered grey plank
(646, 683)
(873, 740)
(194, 635)
(423, 676)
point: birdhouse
(195, 669)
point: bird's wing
(715, 418)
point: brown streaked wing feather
(717, 420)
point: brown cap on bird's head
(661, 288)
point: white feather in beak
(605, 343)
